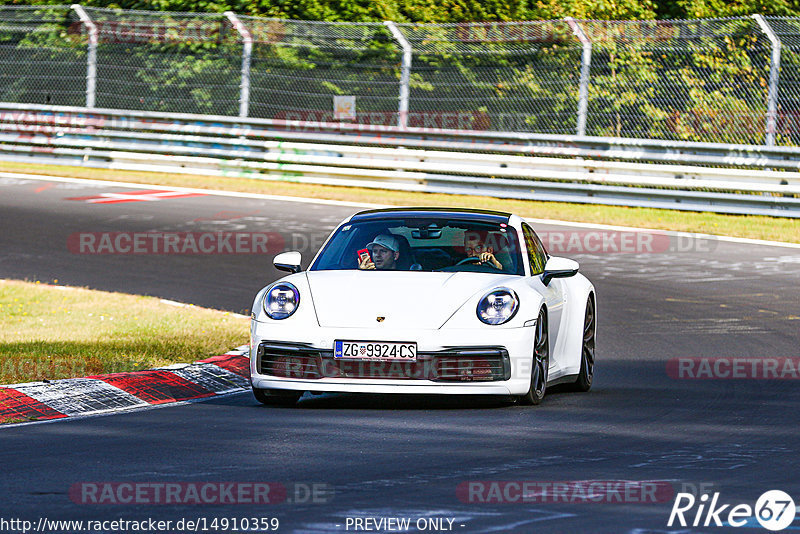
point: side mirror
(559, 268)
(288, 261)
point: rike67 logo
(774, 510)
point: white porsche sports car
(424, 300)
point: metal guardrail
(613, 171)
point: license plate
(375, 350)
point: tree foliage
(459, 10)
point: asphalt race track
(411, 457)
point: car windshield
(434, 244)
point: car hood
(355, 299)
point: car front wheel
(586, 374)
(277, 397)
(541, 363)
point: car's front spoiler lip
(357, 385)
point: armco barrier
(738, 179)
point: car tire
(540, 363)
(277, 397)
(586, 374)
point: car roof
(424, 213)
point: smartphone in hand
(362, 254)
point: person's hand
(488, 257)
(366, 263)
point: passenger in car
(384, 251)
(389, 252)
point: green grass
(49, 332)
(755, 227)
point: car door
(553, 292)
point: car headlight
(498, 306)
(281, 300)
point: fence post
(405, 73)
(247, 53)
(774, 71)
(91, 60)
(586, 63)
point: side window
(536, 253)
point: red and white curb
(92, 395)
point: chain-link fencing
(42, 61)
(693, 79)
(166, 61)
(733, 80)
(787, 127)
(517, 76)
(299, 66)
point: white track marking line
(215, 192)
(184, 305)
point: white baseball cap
(385, 240)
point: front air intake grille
(390, 370)
(471, 365)
(453, 365)
(289, 361)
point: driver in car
(476, 245)
(384, 250)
